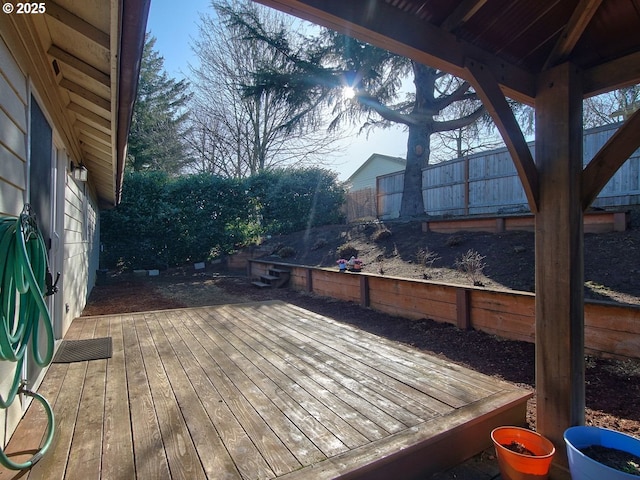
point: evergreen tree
(363, 85)
(158, 123)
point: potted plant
(597, 453)
(354, 264)
(342, 265)
(522, 454)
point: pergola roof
(518, 38)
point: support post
(559, 256)
(364, 291)
(309, 274)
(463, 308)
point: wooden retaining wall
(594, 222)
(611, 330)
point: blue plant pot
(585, 468)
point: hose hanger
(24, 317)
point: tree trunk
(419, 143)
(418, 150)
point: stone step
(260, 284)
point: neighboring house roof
(83, 59)
(386, 163)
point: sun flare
(348, 92)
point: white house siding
(13, 181)
(363, 194)
(80, 236)
(375, 166)
(81, 248)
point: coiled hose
(23, 312)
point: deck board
(258, 391)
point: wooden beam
(463, 12)
(385, 26)
(610, 158)
(88, 95)
(559, 256)
(582, 15)
(78, 24)
(95, 150)
(89, 115)
(80, 65)
(93, 132)
(620, 73)
(84, 138)
(487, 88)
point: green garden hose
(23, 312)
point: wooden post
(364, 291)
(463, 312)
(309, 272)
(559, 255)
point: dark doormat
(82, 350)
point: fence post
(466, 185)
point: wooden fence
(487, 183)
(361, 205)
(610, 329)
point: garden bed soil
(614, 458)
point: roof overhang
(83, 59)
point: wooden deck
(258, 391)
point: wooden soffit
(83, 58)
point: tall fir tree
(363, 84)
(158, 125)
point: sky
(174, 24)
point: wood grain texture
(257, 391)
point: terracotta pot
(520, 466)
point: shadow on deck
(258, 391)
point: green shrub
(165, 221)
(294, 199)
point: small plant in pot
(354, 264)
(597, 453)
(522, 454)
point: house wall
(365, 177)
(13, 185)
(81, 248)
(77, 243)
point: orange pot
(520, 466)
